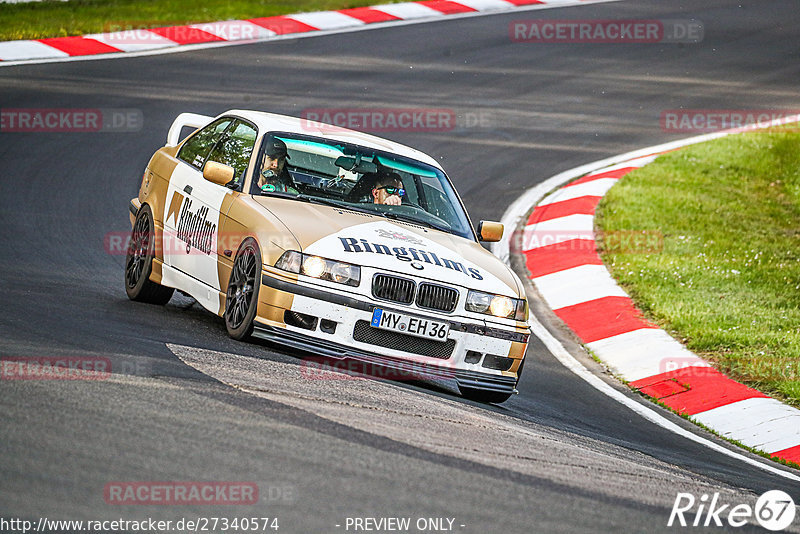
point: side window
(194, 150)
(235, 149)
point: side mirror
(218, 173)
(490, 231)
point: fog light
(300, 320)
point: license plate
(409, 324)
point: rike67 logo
(774, 510)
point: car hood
(380, 243)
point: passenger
(274, 176)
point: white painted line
(550, 232)
(235, 30)
(595, 188)
(564, 3)
(762, 423)
(637, 162)
(327, 20)
(133, 40)
(408, 10)
(577, 285)
(13, 50)
(486, 5)
(643, 353)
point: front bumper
(348, 310)
(329, 349)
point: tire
(241, 299)
(139, 262)
(481, 395)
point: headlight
(501, 306)
(314, 266)
(342, 272)
(497, 305)
(321, 268)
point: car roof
(284, 123)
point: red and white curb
(557, 242)
(162, 40)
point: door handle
(188, 189)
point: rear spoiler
(191, 120)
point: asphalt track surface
(186, 403)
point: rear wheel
(139, 262)
(242, 295)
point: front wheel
(242, 295)
(139, 262)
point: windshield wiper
(335, 204)
(332, 203)
(303, 198)
(320, 200)
(414, 220)
(281, 194)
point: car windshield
(361, 178)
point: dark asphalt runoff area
(186, 403)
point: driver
(388, 190)
(274, 176)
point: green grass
(36, 20)
(727, 281)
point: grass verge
(53, 18)
(725, 278)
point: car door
(192, 217)
(235, 149)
